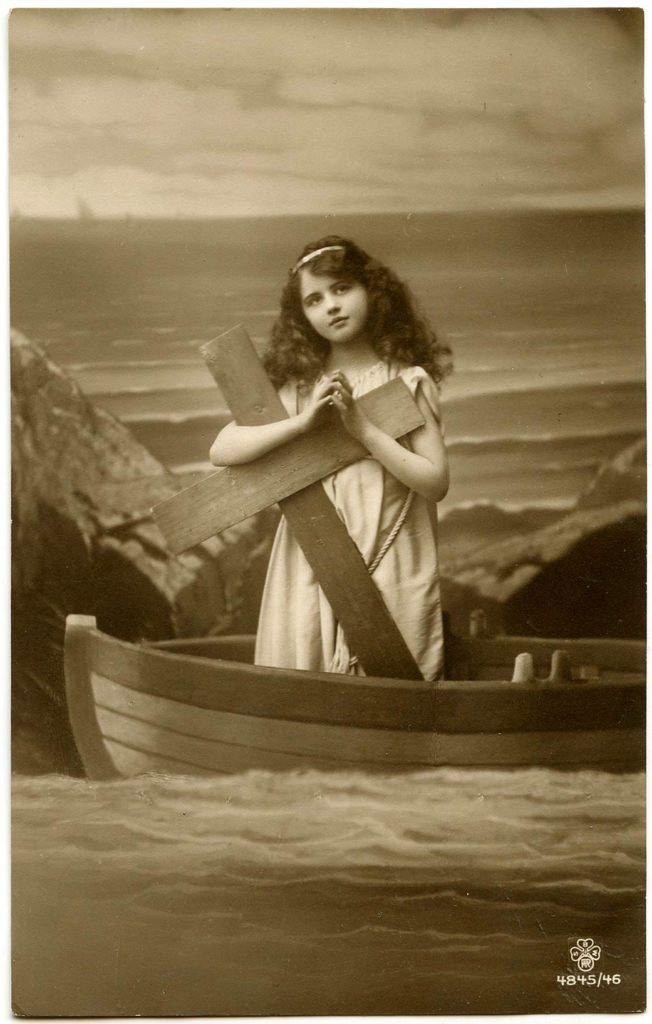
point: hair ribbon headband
(316, 252)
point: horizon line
(18, 216)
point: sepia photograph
(328, 499)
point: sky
(242, 112)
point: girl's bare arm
(236, 444)
(425, 469)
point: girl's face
(336, 307)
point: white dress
(297, 628)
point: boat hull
(198, 707)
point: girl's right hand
(320, 400)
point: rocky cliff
(83, 541)
(581, 575)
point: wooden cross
(290, 475)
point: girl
(346, 326)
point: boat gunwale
(628, 678)
(484, 648)
(448, 706)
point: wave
(114, 366)
(144, 390)
(519, 333)
(557, 466)
(500, 440)
(192, 467)
(457, 389)
(247, 313)
(172, 418)
(505, 508)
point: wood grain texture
(350, 745)
(218, 756)
(338, 565)
(236, 368)
(235, 647)
(78, 657)
(187, 753)
(310, 739)
(615, 749)
(130, 762)
(448, 707)
(230, 495)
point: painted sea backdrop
(447, 891)
(544, 313)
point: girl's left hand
(350, 412)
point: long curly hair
(396, 332)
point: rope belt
(391, 537)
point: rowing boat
(201, 707)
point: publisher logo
(585, 953)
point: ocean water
(544, 313)
(447, 891)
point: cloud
(367, 106)
(115, 191)
(512, 64)
(165, 116)
(510, 59)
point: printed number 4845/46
(588, 979)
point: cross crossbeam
(230, 495)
